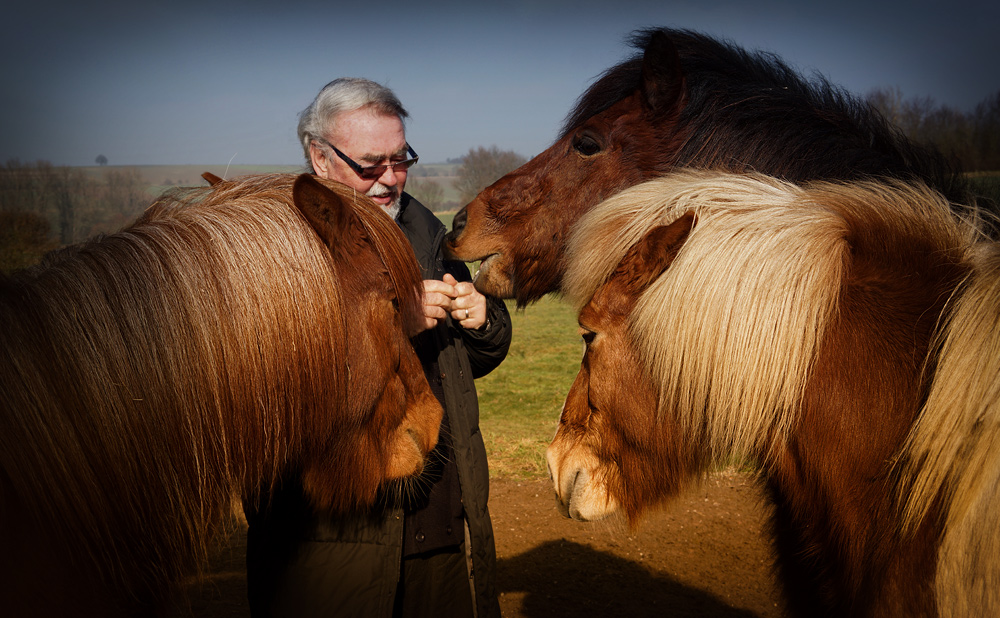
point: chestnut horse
(685, 101)
(151, 376)
(843, 337)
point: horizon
(188, 84)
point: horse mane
(952, 454)
(740, 103)
(382, 231)
(164, 367)
(731, 346)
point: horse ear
(662, 78)
(211, 178)
(329, 214)
(653, 254)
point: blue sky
(212, 82)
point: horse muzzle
(579, 493)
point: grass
(520, 401)
(986, 184)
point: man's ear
(320, 164)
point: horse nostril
(458, 224)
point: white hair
(344, 94)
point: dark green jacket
(302, 564)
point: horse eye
(586, 145)
(588, 337)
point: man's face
(369, 138)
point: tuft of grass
(986, 185)
(520, 401)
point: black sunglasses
(374, 172)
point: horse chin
(412, 442)
(579, 493)
(407, 458)
(491, 278)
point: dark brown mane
(741, 103)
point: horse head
(518, 226)
(229, 337)
(609, 425)
(387, 395)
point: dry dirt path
(703, 555)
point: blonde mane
(731, 330)
(953, 451)
(731, 344)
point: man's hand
(460, 299)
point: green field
(520, 401)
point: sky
(202, 82)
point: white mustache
(379, 190)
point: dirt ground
(705, 554)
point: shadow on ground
(563, 578)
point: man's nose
(388, 177)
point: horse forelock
(621, 80)
(398, 257)
(712, 69)
(612, 86)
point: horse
(841, 337)
(228, 337)
(686, 100)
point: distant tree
(427, 192)
(122, 196)
(67, 187)
(481, 167)
(889, 102)
(971, 138)
(75, 204)
(55, 193)
(986, 132)
(101, 160)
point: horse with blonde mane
(150, 377)
(842, 337)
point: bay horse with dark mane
(686, 100)
(842, 337)
(151, 376)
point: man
(431, 552)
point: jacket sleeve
(486, 346)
